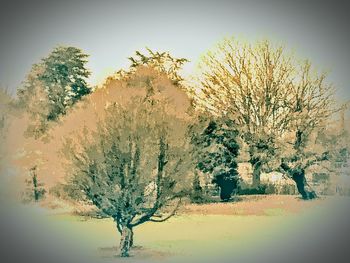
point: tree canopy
(271, 94)
(162, 62)
(53, 85)
(137, 164)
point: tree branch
(168, 216)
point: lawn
(200, 231)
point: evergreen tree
(218, 150)
(162, 62)
(53, 85)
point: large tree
(53, 85)
(311, 106)
(251, 83)
(271, 95)
(137, 165)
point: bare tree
(252, 85)
(273, 97)
(137, 165)
(311, 107)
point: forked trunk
(126, 241)
(303, 187)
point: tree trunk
(132, 238)
(303, 187)
(256, 174)
(126, 241)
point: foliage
(251, 82)
(334, 141)
(162, 62)
(52, 86)
(5, 102)
(260, 190)
(217, 152)
(337, 141)
(273, 97)
(137, 164)
(268, 189)
(197, 195)
(5, 113)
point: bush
(268, 189)
(197, 195)
(260, 190)
(288, 189)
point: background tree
(137, 165)
(160, 61)
(311, 106)
(5, 105)
(38, 108)
(273, 98)
(197, 195)
(54, 84)
(252, 83)
(217, 152)
(35, 191)
(333, 138)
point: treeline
(155, 142)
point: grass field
(199, 231)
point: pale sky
(110, 31)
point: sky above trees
(110, 31)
